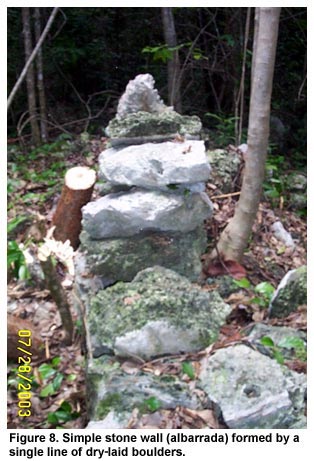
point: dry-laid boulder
(290, 294)
(127, 214)
(159, 312)
(253, 391)
(153, 165)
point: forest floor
(58, 385)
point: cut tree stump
(77, 190)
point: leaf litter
(266, 259)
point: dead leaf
(228, 267)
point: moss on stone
(156, 294)
(141, 124)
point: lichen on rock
(159, 312)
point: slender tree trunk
(30, 77)
(40, 80)
(234, 238)
(173, 65)
(32, 57)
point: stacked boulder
(154, 202)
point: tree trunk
(173, 64)
(32, 57)
(77, 191)
(234, 238)
(30, 78)
(40, 80)
(59, 296)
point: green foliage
(223, 132)
(242, 283)
(151, 404)
(62, 415)
(288, 342)
(51, 377)
(14, 380)
(16, 261)
(274, 185)
(188, 369)
(43, 168)
(12, 225)
(295, 343)
(164, 52)
(268, 342)
(263, 290)
(160, 53)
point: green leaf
(265, 288)
(55, 361)
(57, 381)
(152, 404)
(267, 341)
(188, 369)
(46, 370)
(15, 222)
(52, 418)
(279, 357)
(47, 390)
(23, 273)
(66, 406)
(291, 342)
(242, 283)
(259, 301)
(63, 416)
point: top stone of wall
(143, 117)
(140, 96)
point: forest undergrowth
(58, 391)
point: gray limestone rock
(253, 391)
(297, 182)
(159, 312)
(144, 124)
(112, 420)
(298, 201)
(225, 167)
(156, 165)
(120, 259)
(224, 284)
(130, 213)
(281, 234)
(291, 293)
(140, 95)
(113, 394)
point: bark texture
(59, 296)
(30, 77)
(40, 80)
(173, 65)
(77, 191)
(234, 238)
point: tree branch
(32, 56)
